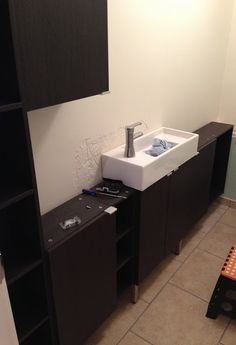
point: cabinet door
(83, 277)
(151, 243)
(62, 50)
(189, 195)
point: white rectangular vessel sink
(143, 170)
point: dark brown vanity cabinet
(222, 133)
(61, 49)
(172, 206)
(83, 279)
(188, 195)
(153, 203)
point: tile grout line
(189, 292)
(212, 226)
(148, 305)
(204, 236)
(129, 329)
(172, 275)
(218, 222)
(217, 256)
(230, 226)
(226, 328)
(147, 341)
(168, 281)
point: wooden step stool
(223, 299)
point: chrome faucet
(130, 136)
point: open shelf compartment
(41, 336)
(125, 277)
(124, 251)
(19, 238)
(15, 174)
(125, 218)
(29, 304)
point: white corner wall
(227, 111)
(166, 66)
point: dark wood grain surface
(83, 277)
(189, 195)
(212, 131)
(62, 49)
(152, 226)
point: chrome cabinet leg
(178, 248)
(135, 293)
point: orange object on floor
(229, 269)
(223, 299)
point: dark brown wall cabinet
(61, 49)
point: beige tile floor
(174, 298)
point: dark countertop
(211, 131)
(86, 207)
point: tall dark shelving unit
(20, 239)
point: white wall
(166, 67)
(228, 98)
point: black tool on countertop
(94, 192)
(110, 186)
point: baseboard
(227, 201)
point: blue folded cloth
(156, 150)
(161, 143)
(159, 146)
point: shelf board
(28, 317)
(24, 266)
(39, 336)
(123, 230)
(9, 197)
(123, 259)
(8, 106)
(33, 329)
(122, 287)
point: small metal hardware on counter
(110, 210)
(69, 223)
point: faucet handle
(134, 125)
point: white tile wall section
(87, 163)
